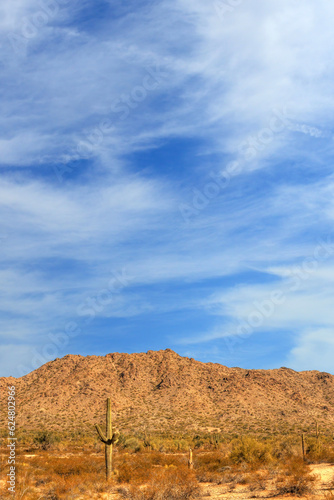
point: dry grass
(152, 475)
(294, 478)
(58, 478)
(213, 467)
(329, 495)
(145, 476)
(135, 468)
(167, 483)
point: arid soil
(162, 390)
(324, 474)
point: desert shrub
(199, 442)
(212, 461)
(130, 469)
(316, 451)
(76, 466)
(136, 468)
(281, 449)
(45, 439)
(132, 443)
(168, 483)
(60, 478)
(181, 445)
(213, 467)
(218, 468)
(295, 478)
(164, 444)
(331, 484)
(324, 453)
(251, 451)
(257, 480)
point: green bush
(46, 439)
(132, 443)
(247, 449)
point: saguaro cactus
(109, 439)
(303, 445)
(190, 461)
(147, 441)
(317, 436)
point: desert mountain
(160, 390)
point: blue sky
(167, 181)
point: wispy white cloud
(301, 298)
(134, 82)
(218, 72)
(315, 348)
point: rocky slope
(164, 391)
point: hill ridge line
(162, 389)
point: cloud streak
(136, 109)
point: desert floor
(324, 472)
(324, 476)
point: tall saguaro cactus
(108, 439)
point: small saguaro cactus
(303, 445)
(190, 461)
(109, 439)
(147, 441)
(317, 434)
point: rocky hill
(164, 391)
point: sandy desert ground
(324, 478)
